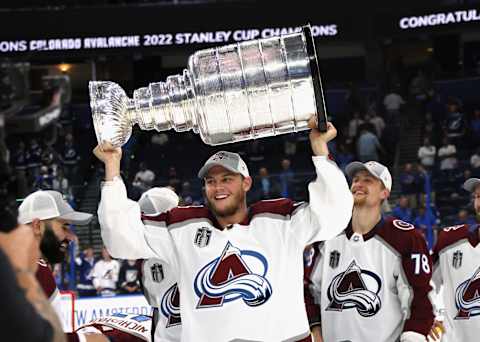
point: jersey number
(421, 263)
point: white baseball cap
(158, 200)
(471, 184)
(376, 169)
(229, 160)
(49, 204)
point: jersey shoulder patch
(402, 225)
(401, 235)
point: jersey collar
(370, 234)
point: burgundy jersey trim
(400, 239)
(46, 280)
(407, 242)
(282, 206)
(451, 235)
(313, 310)
(370, 234)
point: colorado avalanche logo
(355, 288)
(467, 297)
(170, 306)
(228, 278)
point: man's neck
(238, 217)
(364, 219)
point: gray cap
(471, 184)
(49, 204)
(376, 169)
(229, 160)
(158, 200)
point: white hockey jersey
(237, 283)
(161, 291)
(158, 279)
(456, 257)
(371, 287)
(105, 274)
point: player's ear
(385, 194)
(37, 227)
(246, 183)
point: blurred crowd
(104, 276)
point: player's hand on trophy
(319, 140)
(111, 157)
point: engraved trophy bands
(237, 92)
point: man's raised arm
(331, 202)
(123, 231)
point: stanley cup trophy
(249, 90)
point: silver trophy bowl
(243, 91)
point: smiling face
(226, 191)
(367, 190)
(55, 236)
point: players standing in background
(371, 282)
(105, 275)
(456, 268)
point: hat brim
(352, 168)
(471, 184)
(77, 218)
(205, 168)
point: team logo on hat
(219, 156)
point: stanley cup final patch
(457, 259)
(334, 259)
(202, 237)
(157, 272)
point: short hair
(8, 215)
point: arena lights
(64, 67)
(436, 19)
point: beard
(236, 201)
(359, 201)
(51, 246)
